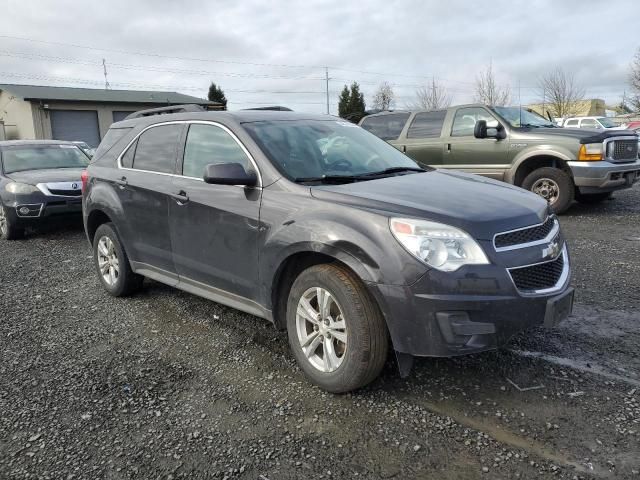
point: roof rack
(190, 107)
(276, 108)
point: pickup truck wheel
(8, 229)
(591, 198)
(552, 184)
(336, 331)
(112, 263)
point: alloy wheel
(108, 262)
(321, 329)
(3, 222)
(547, 189)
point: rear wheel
(336, 331)
(8, 229)
(590, 198)
(112, 263)
(552, 184)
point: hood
(583, 135)
(34, 177)
(480, 206)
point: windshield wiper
(360, 176)
(531, 125)
(326, 179)
(392, 170)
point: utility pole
(104, 68)
(326, 78)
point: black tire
(8, 228)
(367, 339)
(564, 183)
(126, 282)
(591, 198)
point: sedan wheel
(321, 329)
(108, 261)
(3, 222)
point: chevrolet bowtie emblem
(551, 251)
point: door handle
(181, 197)
(448, 148)
(404, 149)
(121, 182)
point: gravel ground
(167, 385)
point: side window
(571, 123)
(465, 121)
(589, 123)
(427, 125)
(208, 144)
(127, 158)
(156, 149)
(386, 127)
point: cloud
(407, 42)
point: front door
(214, 228)
(143, 184)
(462, 151)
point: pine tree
(216, 94)
(343, 102)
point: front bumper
(29, 209)
(472, 310)
(603, 176)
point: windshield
(39, 157)
(606, 123)
(310, 149)
(522, 117)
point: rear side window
(113, 136)
(207, 144)
(571, 123)
(127, 158)
(427, 125)
(156, 149)
(386, 127)
(589, 123)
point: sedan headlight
(438, 245)
(15, 187)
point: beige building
(584, 108)
(62, 113)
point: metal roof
(72, 94)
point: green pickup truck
(517, 146)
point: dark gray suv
(326, 230)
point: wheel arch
(535, 160)
(96, 218)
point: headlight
(15, 187)
(438, 245)
(590, 152)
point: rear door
(423, 141)
(144, 185)
(214, 228)
(462, 151)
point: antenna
(520, 102)
(104, 68)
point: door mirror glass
(229, 174)
(483, 130)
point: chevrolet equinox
(327, 231)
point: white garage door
(75, 125)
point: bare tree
(384, 98)
(635, 80)
(488, 91)
(432, 97)
(560, 93)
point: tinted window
(19, 158)
(571, 123)
(110, 139)
(208, 144)
(427, 125)
(127, 158)
(156, 150)
(386, 127)
(465, 121)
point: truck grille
(525, 235)
(623, 150)
(540, 276)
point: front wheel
(8, 228)
(552, 184)
(591, 198)
(336, 331)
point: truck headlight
(438, 245)
(17, 188)
(590, 152)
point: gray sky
(244, 46)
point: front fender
(559, 152)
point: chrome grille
(623, 150)
(536, 233)
(541, 276)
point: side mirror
(481, 130)
(229, 174)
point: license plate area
(558, 308)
